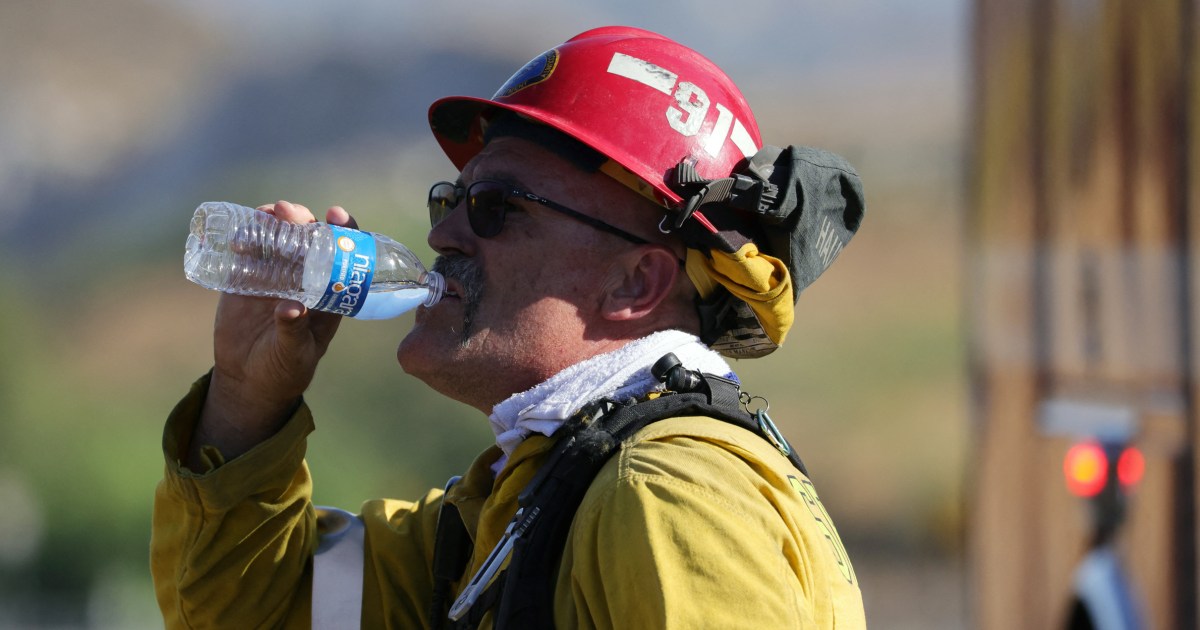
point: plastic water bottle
(236, 249)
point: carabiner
(771, 432)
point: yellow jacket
(695, 524)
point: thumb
(298, 325)
(290, 317)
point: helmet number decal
(691, 105)
(689, 109)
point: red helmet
(638, 98)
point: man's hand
(266, 353)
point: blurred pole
(1080, 291)
(1187, 590)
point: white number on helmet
(690, 109)
(692, 106)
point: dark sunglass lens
(443, 198)
(485, 208)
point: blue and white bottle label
(350, 277)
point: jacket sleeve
(232, 547)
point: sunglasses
(489, 201)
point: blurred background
(118, 118)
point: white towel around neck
(620, 374)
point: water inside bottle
(385, 304)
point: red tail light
(1086, 469)
(1130, 467)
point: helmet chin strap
(749, 192)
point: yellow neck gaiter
(759, 280)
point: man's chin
(414, 350)
(438, 366)
(426, 347)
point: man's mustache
(468, 273)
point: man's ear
(639, 280)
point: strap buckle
(491, 566)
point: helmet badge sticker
(537, 70)
(687, 113)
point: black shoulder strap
(528, 599)
(451, 551)
(547, 505)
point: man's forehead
(515, 161)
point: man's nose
(453, 233)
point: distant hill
(247, 120)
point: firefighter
(617, 230)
